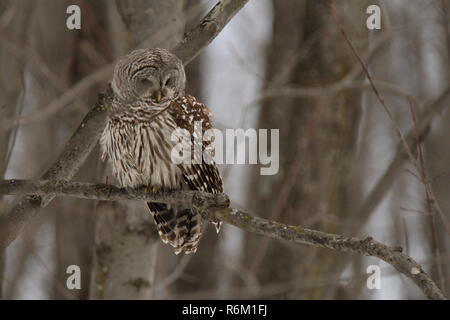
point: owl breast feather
(139, 152)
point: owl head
(155, 76)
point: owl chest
(140, 154)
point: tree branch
(216, 207)
(86, 136)
(202, 35)
(101, 191)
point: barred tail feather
(181, 228)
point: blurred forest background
(278, 64)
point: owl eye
(147, 82)
(170, 81)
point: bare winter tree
(127, 270)
(318, 142)
(339, 94)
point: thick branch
(101, 191)
(216, 206)
(72, 157)
(86, 136)
(199, 37)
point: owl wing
(204, 176)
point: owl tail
(181, 228)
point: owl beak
(158, 95)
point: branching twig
(424, 120)
(405, 141)
(216, 207)
(380, 98)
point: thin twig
(432, 205)
(383, 184)
(406, 142)
(372, 84)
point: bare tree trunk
(317, 139)
(66, 56)
(437, 165)
(55, 46)
(126, 242)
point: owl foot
(151, 189)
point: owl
(148, 104)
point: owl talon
(152, 189)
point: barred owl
(148, 104)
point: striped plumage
(137, 141)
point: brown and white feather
(139, 147)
